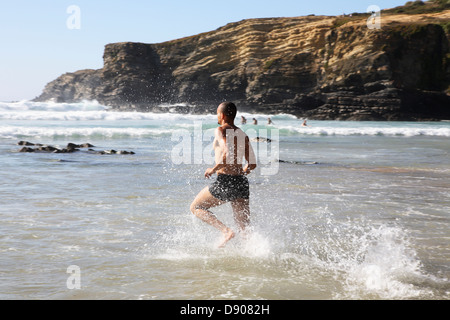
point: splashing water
(360, 212)
(350, 259)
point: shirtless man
(231, 145)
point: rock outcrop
(320, 67)
(70, 148)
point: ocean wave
(26, 105)
(367, 131)
(93, 111)
(92, 116)
(90, 111)
(82, 111)
(166, 128)
(11, 132)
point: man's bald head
(228, 109)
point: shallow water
(358, 210)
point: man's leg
(199, 207)
(241, 211)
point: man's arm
(249, 157)
(221, 163)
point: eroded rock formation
(320, 67)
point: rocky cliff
(320, 67)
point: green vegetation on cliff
(420, 7)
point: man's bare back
(231, 147)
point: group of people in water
(269, 121)
(255, 122)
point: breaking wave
(114, 123)
(396, 129)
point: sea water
(355, 210)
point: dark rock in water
(77, 146)
(86, 145)
(71, 147)
(261, 139)
(116, 152)
(42, 148)
(26, 143)
(297, 162)
(47, 149)
(109, 152)
(66, 150)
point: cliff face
(316, 67)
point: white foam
(287, 124)
(92, 110)
(385, 266)
(369, 131)
(26, 105)
(83, 111)
(255, 245)
(18, 132)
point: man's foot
(245, 234)
(228, 235)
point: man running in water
(231, 145)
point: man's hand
(249, 168)
(209, 172)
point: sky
(42, 39)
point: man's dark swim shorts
(230, 188)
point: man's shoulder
(220, 130)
